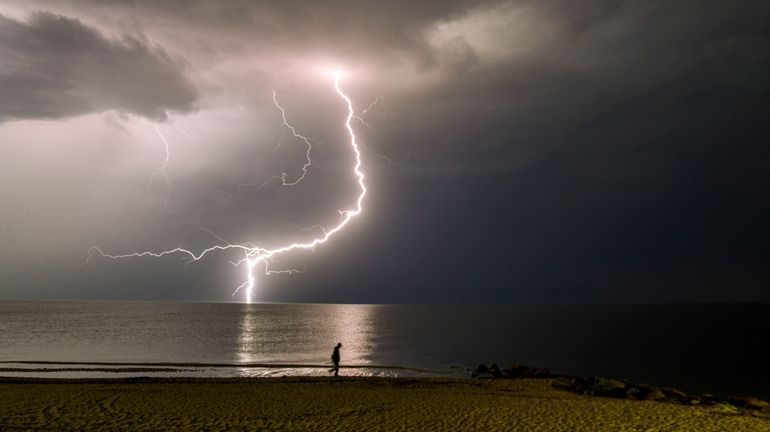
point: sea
(723, 349)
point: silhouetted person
(336, 359)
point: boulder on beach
(606, 387)
(536, 373)
(643, 392)
(675, 394)
(514, 371)
(576, 384)
(494, 370)
(750, 403)
(655, 395)
(482, 371)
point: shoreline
(343, 403)
(20, 371)
(212, 365)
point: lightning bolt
(163, 168)
(360, 117)
(308, 145)
(283, 177)
(379, 100)
(184, 132)
(258, 257)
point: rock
(750, 403)
(495, 370)
(739, 401)
(515, 371)
(521, 371)
(675, 394)
(708, 399)
(575, 384)
(633, 393)
(646, 392)
(482, 371)
(643, 392)
(655, 395)
(536, 373)
(563, 383)
(758, 405)
(580, 384)
(606, 387)
(510, 373)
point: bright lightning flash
(255, 256)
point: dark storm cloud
(53, 66)
(341, 27)
(594, 64)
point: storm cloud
(519, 151)
(55, 66)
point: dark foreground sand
(346, 404)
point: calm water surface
(714, 348)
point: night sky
(518, 152)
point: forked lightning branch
(255, 258)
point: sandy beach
(345, 404)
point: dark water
(723, 349)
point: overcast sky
(515, 151)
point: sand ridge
(344, 404)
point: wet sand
(345, 404)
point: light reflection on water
(313, 339)
(352, 327)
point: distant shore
(319, 403)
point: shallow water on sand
(708, 348)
